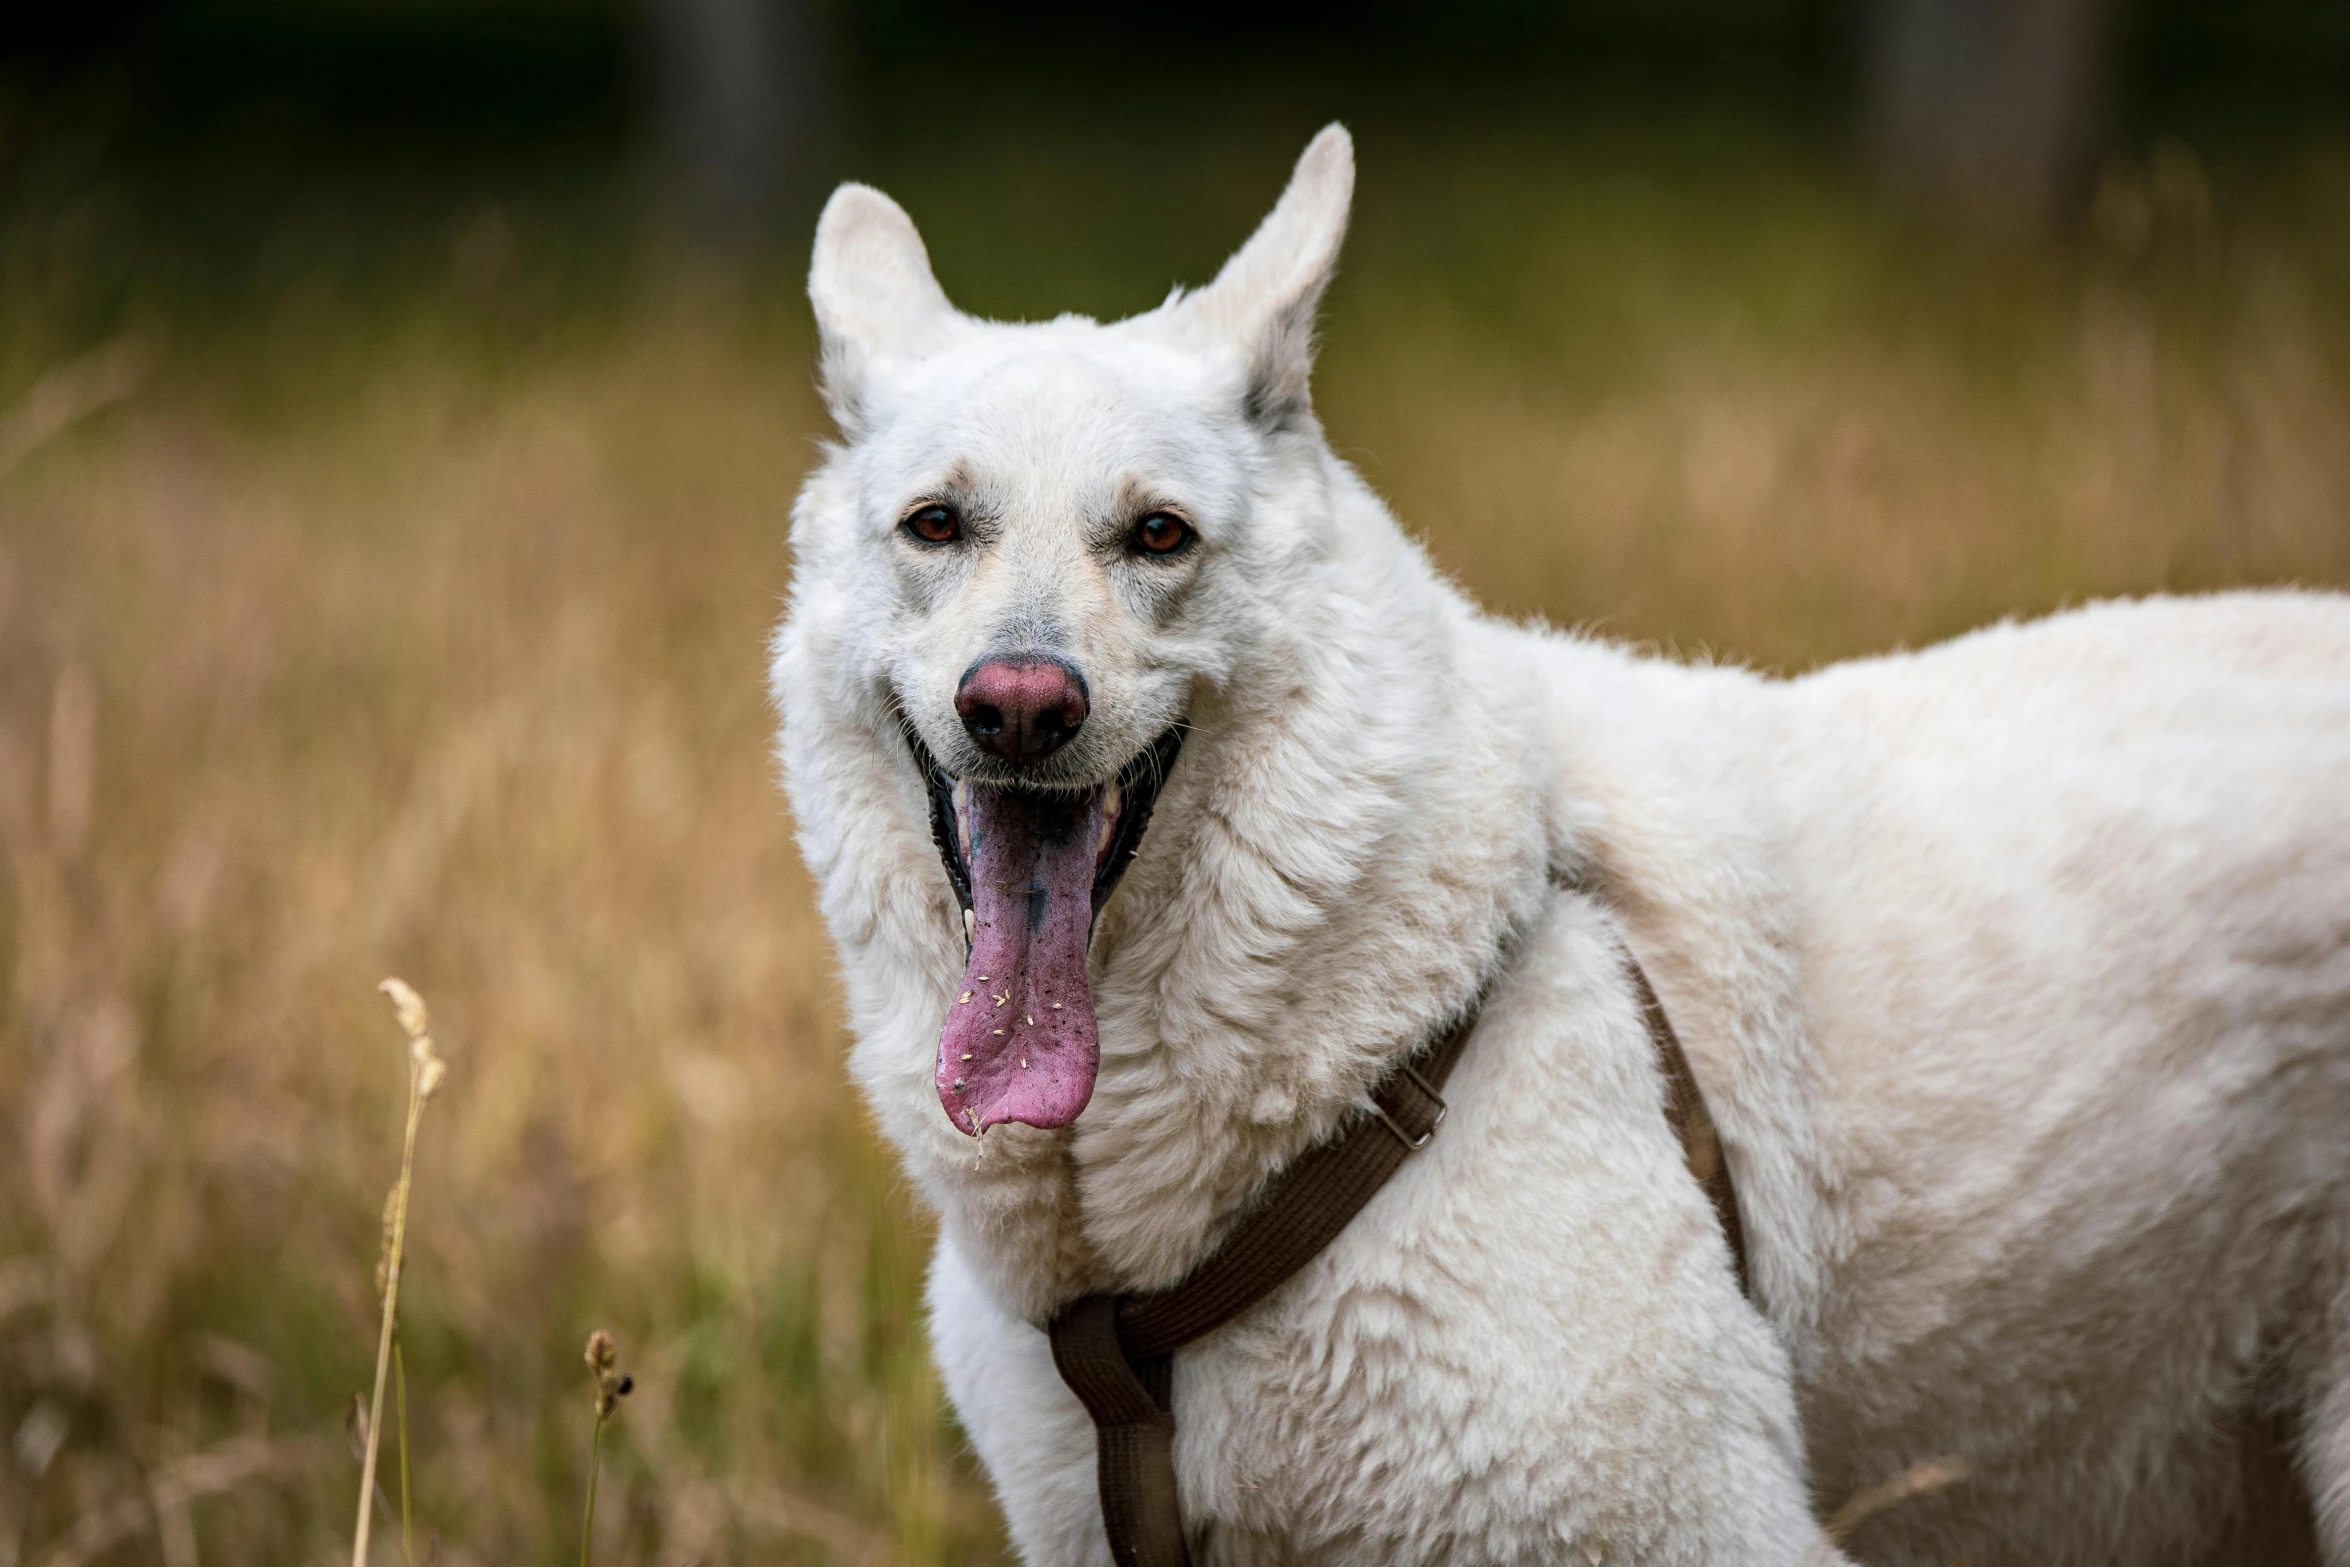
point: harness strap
(1693, 1123)
(1117, 1352)
(1134, 1424)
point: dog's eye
(1161, 533)
(935, 525)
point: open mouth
(1031, 869)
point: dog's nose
(1021, 711)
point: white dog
(2016, 974)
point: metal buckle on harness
(1415, 1144)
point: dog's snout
(1021, 710)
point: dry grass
(461, 682)
(358, 649)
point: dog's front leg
(1031, 1433)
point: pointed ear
(1263, 302)
(869, 281)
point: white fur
(2016, 972)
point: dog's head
(1045, 541)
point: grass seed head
(383, 1255)
(423, 1061)
(612, 1384)
(410, 1007)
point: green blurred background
(401, 403)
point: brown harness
(1117, 1352)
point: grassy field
(405, 617)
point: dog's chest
(1529, 1346)
(1439, 1388)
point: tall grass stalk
(400, 1420)
(424, 1077)
(612, 1385)
(587, 1522)
(1919, 1479)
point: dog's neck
(1328, 878)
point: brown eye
(1161, 533)
(935, 525)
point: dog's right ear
(869, 281)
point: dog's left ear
(1263, 301)
(875, 299)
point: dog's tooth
(971, 933)
(1112, 798)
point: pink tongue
(1019, 1043)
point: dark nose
(1021, 711)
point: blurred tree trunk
(1993, 107)
(742, 93)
